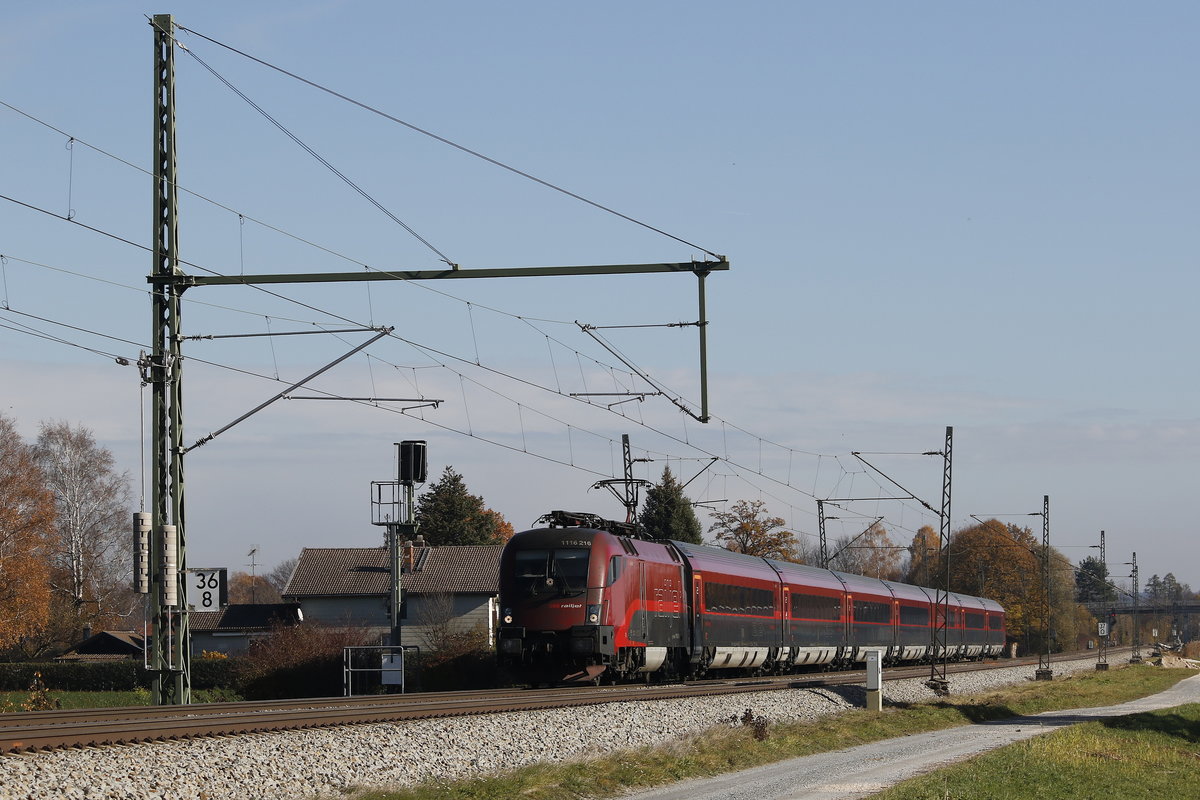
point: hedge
(110, 676)
(103, 676)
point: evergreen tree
(1092, 582)
(668, 513)
(448, 514)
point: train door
(848, 650)
(787, 617)
(643, 628)
(897, 651)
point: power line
(320, 158)
(525, 319)
(244, 217)
(448, 142)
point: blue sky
(936, 214)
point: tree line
(64, 540)
(988, 559)
(65, 565)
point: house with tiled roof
(451, 587)
(231, 629)
(107, 646)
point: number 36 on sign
(207, 589)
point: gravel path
(858, 772)
(323, 763)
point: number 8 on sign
(207, 589)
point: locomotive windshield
(561, 571)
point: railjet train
(585, 599)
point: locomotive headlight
(593, 614)
(508, 619)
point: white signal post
(874, 680)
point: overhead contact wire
(451, 143)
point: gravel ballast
(323, 763)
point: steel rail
(47, 730)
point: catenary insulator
(169, 574)
(141, 552)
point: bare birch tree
(88, 553)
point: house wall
(232, 644)
(370, 610)
(424, 615)
(429, 615)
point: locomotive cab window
(615, 565)
(543, 572)
(570, 569)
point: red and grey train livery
(585, 598)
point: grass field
(1141, 755)
(725, 750)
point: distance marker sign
(207, 589)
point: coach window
(869, 611)
(725, 598)
(914, 615)
(812, 606)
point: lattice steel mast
(1044, 672)
(941, 607)
(170, 661)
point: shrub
(212, 673)
(474, 669)
(297, 661)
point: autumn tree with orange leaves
(747, 528)
(871, 553)
(924, 557)
(26, 524)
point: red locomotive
(585, 598)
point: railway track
(47, 730)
